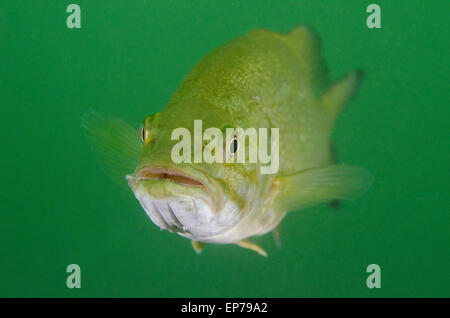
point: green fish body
(263, 80)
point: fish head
(198, 200)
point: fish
(265, 80)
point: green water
(58, 208)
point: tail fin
(337, 96)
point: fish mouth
(164, 173)
(191, 209)
(186, 213)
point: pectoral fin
(252, 246)
(115, 142)
(319, 185)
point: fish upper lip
(156, 172)
(177, 176)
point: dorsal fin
(306, 45)
(338, 95)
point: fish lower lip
(168, 174)
(164, 173)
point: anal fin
(276, 236)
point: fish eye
(142, 134)
(234, 145)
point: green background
(57, 207)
